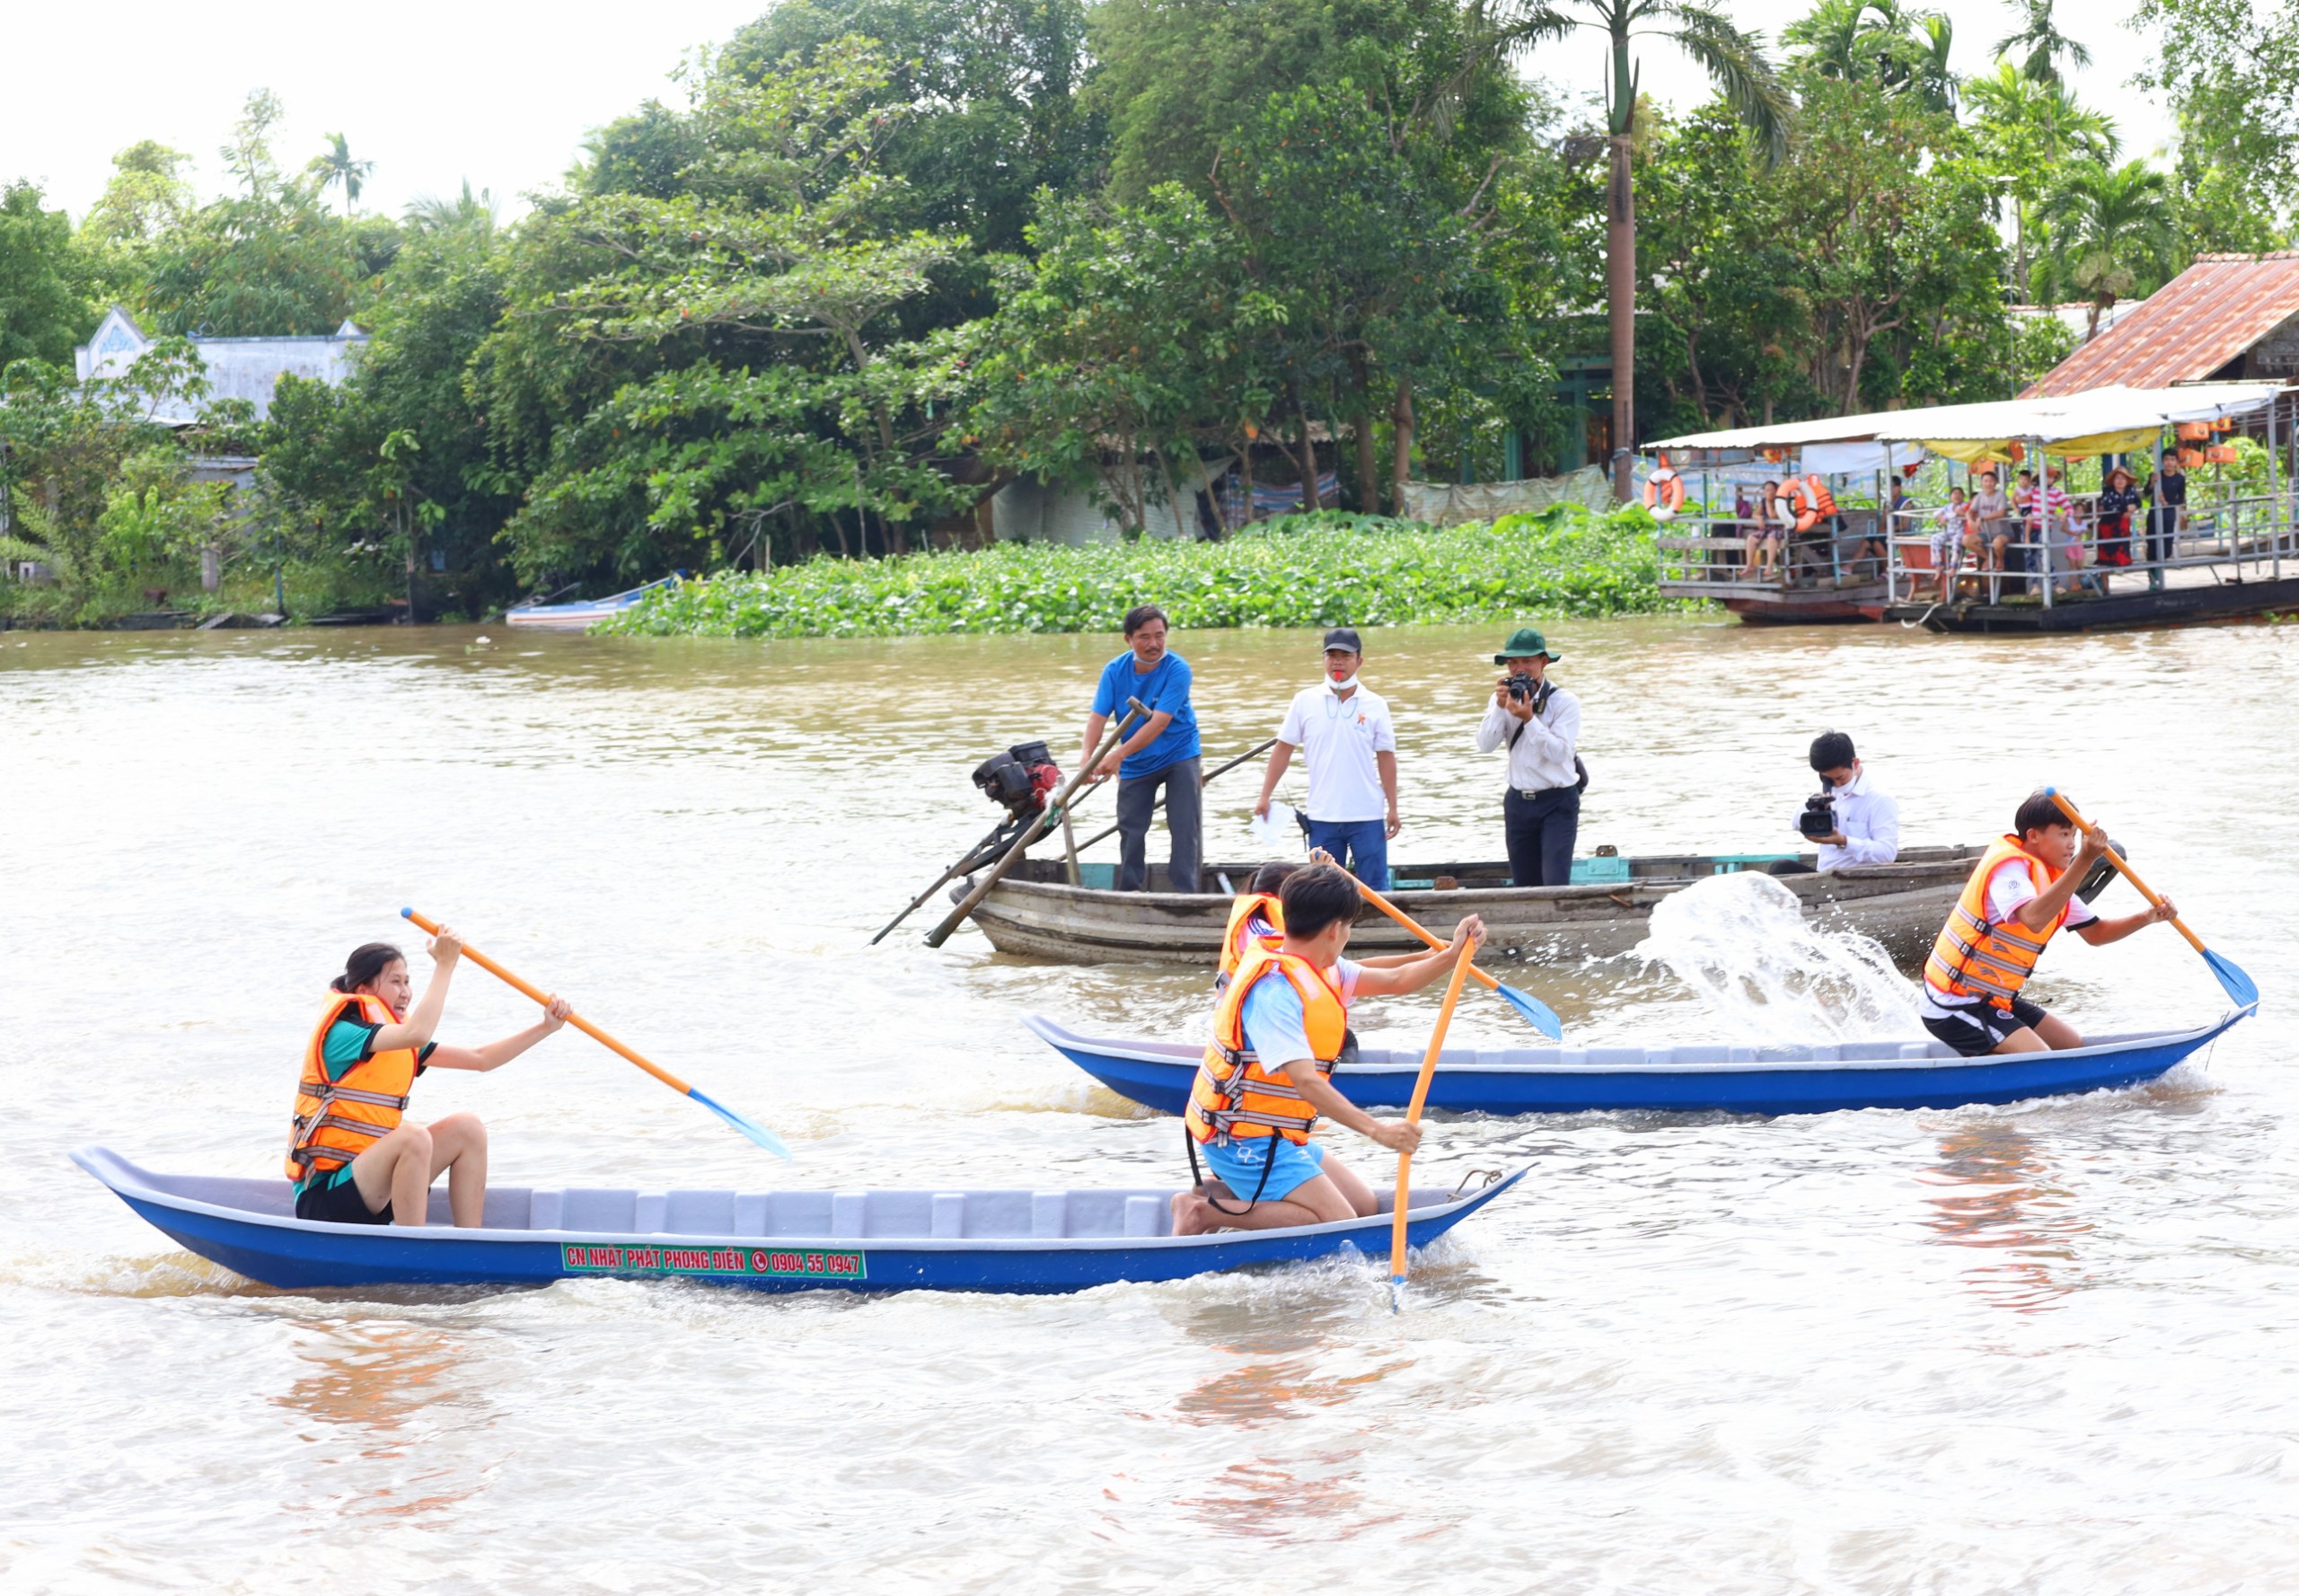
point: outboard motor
(1018, 780)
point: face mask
(1342, 684)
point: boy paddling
(1278, 1029)
(2022, 893)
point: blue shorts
(1239, 1161)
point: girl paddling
(354, 1158)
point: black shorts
(338, 1203)
(1976, 1030)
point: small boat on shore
(1606, 911)
(581, 614)
(1721, 1078)
(1017, 1240)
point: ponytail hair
(367, 961)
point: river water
(2043, 1348)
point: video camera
(1818, 818)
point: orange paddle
(1412, 1116)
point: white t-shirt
(2007, 889)
(1338, 738)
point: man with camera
(1161, 753)
(1854, 821)
(1540, 722)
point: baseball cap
(1344, 636)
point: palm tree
(2040, 37)
(1901, 51)
(2031, 126)
(1930, 77)
(337, 166)
(429, 213)
(1735, 62)
(2111, 225)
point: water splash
(1743, 942)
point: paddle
(1412, 1116)
(2238, 985)
(748, 1127)
(1535, 1013)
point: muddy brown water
(2042, 1348)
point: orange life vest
(1240, 932)
(338, 1120)
(1234, 1094)
(1975, 957)
(1815, 489)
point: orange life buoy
(1664, 494)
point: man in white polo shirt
(1352, 748)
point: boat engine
(1018, 780)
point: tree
(2040, 43)
(1901, 51)
(2025, 128)
(2226, 67)
(1743, 75)
(43, 310)
(2114, 227)
(335, 166)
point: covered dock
(2221, 552)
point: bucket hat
(1524, 643)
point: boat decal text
(592, 1259)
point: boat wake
(1741, 941)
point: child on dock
(1278, 1030)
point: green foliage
(2226, 67)
(1329, 573)
(43, 309)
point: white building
(247, 369)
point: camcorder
(1818, 818)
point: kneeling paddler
(1278, 1029)
(354, 1156)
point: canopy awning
(2111, 420)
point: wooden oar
(957, 917)
(747, 1126)
(1204, 781)
(2238, 985)
(972, 860)
(1537, 1014)
(1412, 1116)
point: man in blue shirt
(1161, 752)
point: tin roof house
(2226, 318)
(247, 369)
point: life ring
(1807, 515)
(1664, 494)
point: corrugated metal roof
(2188, 328)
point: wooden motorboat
(1003, 1241)
(1728, 1077)
(581, 614)
(1036, 910)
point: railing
(2240, 532)
(1719, 559)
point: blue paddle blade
(1537, 1014)
(747, 1126)
(2240, 986)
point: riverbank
(1295, 572)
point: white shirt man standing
(1867, 820)
(1540, 723)
(1352, 748)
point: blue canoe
(1017, 1240)
(1732, 1080)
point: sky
(502, 94)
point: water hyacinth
(1301, 571)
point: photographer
(1853, 822)
(1540, 722)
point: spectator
(1161, 752)
(1764, 537)
(1343, 730)
(2119, 502)
(1540, 722)
(1991, 522)
(2166, 517)
(1951, 536)
(1867, 829)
